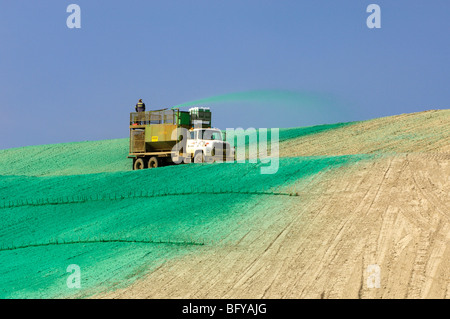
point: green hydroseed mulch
(66, 158)
(116, 226)
(59, 207)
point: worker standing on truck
(140, 106)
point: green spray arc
(287, 100)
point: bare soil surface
(427, 131)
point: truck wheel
(153, 162)
(199, 158)
(139, 164)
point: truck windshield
(211, 135)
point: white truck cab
(208, 145)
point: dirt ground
(427, 131)
(386, 218)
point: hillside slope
(119, 226)
(391, 211)
(225, 230)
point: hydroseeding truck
(171, 136)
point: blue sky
(62, 85)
